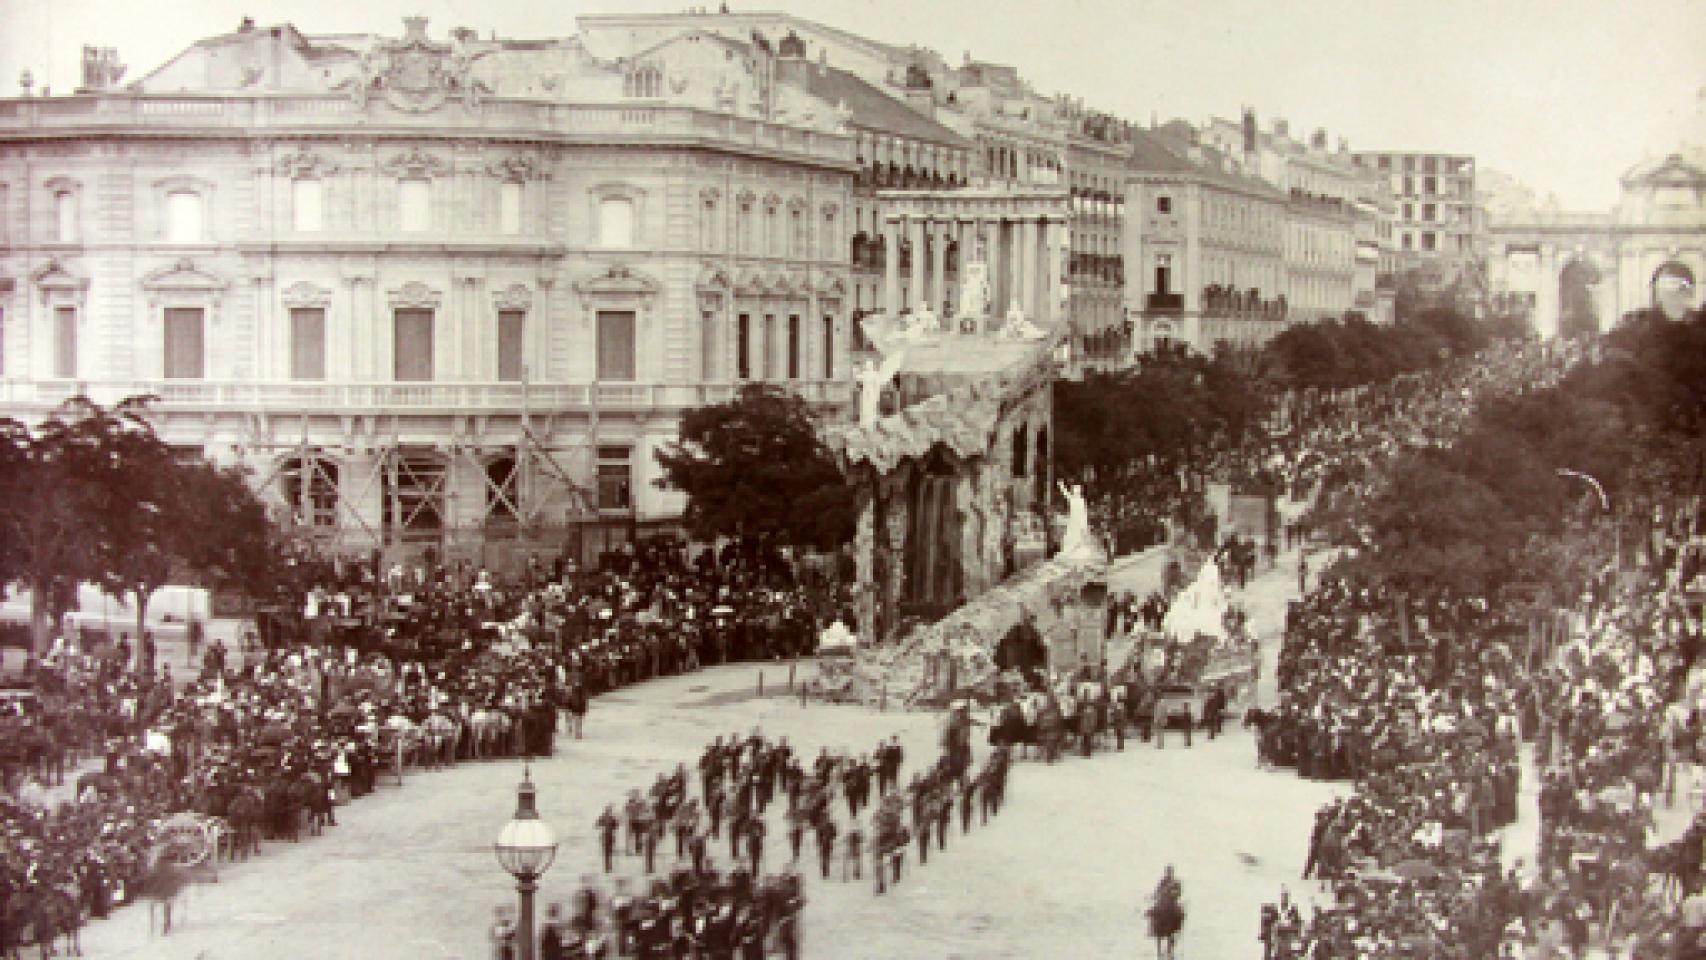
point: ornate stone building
(446, 292)
(1649, 251)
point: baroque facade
(430, 292)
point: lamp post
(526, 847)
(1605, 504)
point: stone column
(864, 561)
(939, 267)
(1052, 293)
(1029, 274)
(915, 235)
(1546, 293)
(891, 267)
(1012, 287)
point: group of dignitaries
(387, 671)
(673, 896)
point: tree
(65, 477)
(94, 496)
(756, 467)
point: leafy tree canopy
(756, 467)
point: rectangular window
(307, 343)
(412, 343)
(743, 348)
(616, 222)
(185, 350)
(615, 478)
(414, 203)
(307, 205)
(1429, 241)
(183, 217)
(616, 345)
(512, 324)
(65, 216)
(794, 347)
(1163, 204)
(509, 208)
(1164, 273)
(1430, 184)
(1409, 186)
(829, 348)
(65, 342)
(708, 366)
(1428, 212)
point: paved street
(409, 873)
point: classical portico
(1022, 236)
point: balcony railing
(118, 110)
(287, 396)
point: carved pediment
(714, 278)
(517, 167)
(415, 295)
(415, 75)
(304, 163)
(53, 277)
(184, 277)
(305, 294)
(416, 164)
(617, 282)
(516, 296)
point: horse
(246, 814)
(54, 912)
(1166, 919)
(488, 727)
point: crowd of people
(385, 669)
(1426, 711)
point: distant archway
(1673, 289)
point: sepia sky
(1564, 94)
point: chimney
(1282, 129)
(1319, 139)
(1249, 130)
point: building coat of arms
(414, 74)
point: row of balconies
(1109, 268)
(311, 397)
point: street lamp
(526, 847)
(1604, 504)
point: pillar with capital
(1053, 294)
(1012, 292)
(1028, 272)
(915, 237)
(891, 267)
(938, 297)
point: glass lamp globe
(526, 846)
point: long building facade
(440, 293)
